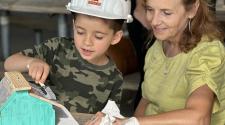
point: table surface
(82, 117)
(35, 6)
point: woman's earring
(189, 25)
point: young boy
(80, 73)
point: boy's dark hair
(115, 24)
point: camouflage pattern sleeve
(116, 94)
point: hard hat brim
(94, 13)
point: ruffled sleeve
(206, 66)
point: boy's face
(92, 38)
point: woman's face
(167, 18)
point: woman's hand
(38, 70)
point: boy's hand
(38, 70)
(96, 119)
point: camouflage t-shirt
(78, 85)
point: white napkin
(112, 111)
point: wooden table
(30, 6)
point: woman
(184, 69)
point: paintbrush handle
(42, 84)
(43, 88)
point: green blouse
(170, 80)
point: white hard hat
(108, 9)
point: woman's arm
(197, 111)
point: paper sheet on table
(112, 111)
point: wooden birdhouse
(18, 107)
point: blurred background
(24, 27)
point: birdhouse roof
(16, 81)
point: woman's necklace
(170, 50)
(166, 66)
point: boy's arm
(36, 68)
(17, 62)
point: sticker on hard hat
(95, 2)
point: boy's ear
(117, 37)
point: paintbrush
(47, 91)
(43, 90)
(43, 87)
